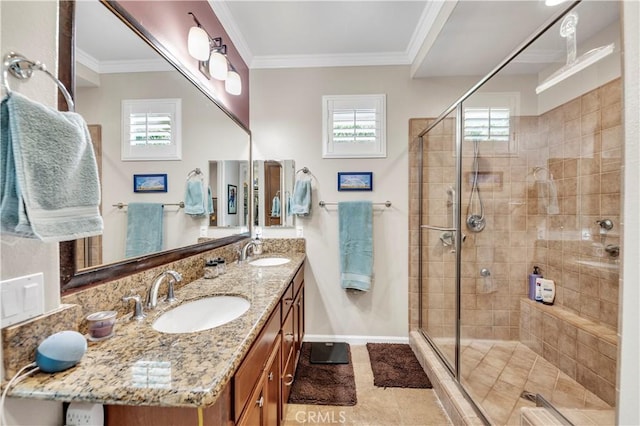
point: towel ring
(22, 69)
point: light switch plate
(22, 298)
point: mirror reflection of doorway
(272, 193)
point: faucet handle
(138, 313)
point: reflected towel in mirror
(145, 223)
(195, 202)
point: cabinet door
(254, 414)
(298, 332)
(272, 392)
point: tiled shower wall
(580, 144)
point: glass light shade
(233, 83)
(198, 43)
(218, 67)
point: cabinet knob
(260, 402)
(270, 376)
(289, 383)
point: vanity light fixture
(568, 30)
(233, 83)
(211, 54)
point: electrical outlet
(85, 414)
(299, 231)
(204, 231)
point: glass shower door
(438, 242)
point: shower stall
(525, 170)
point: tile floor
(496, 372)
(376, 406)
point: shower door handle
(439, 228)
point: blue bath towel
(195, 203)
(356, 244)
(144, 228)
(301, 201)
(209, 201)
(49, 187)
(275, 207)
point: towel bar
(325, 203)
(180, 204)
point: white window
(151, 129)
(489, 118)
(486, 124)
(354, 126)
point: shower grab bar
(439, 228)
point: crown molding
(125, 66)
(341, 60)
(222, 12)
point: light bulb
(198, 43)
(233, 83)
(553, 2)
(218, 67)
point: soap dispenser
(532, 282)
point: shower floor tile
(495, 373)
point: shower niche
(519, 173)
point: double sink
(209, 312)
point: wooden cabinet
(292, 335)
(264, 407)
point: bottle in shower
(532, 283)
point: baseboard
(354, 340)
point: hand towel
(275, 207)
(49, 187)
(209, 201)
(301, 202)
(194, 198)
(356, 244)
(144, 228)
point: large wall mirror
(114, 65)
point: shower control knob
(605, 224)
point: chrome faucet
(152, 296)
(254, 245)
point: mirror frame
(71, 278)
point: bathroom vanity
(237, 373)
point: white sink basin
(270, 261)
(201, 314)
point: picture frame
(232, 199)
(150, 182)
(355, 181)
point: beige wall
(286, 122)
(20, 256)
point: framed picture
(232, 199)
(355, 181)
(150, 183)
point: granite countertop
(141, 366)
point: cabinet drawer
(288, 337)
(254, 363)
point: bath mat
(323, 384)
(395, 366)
